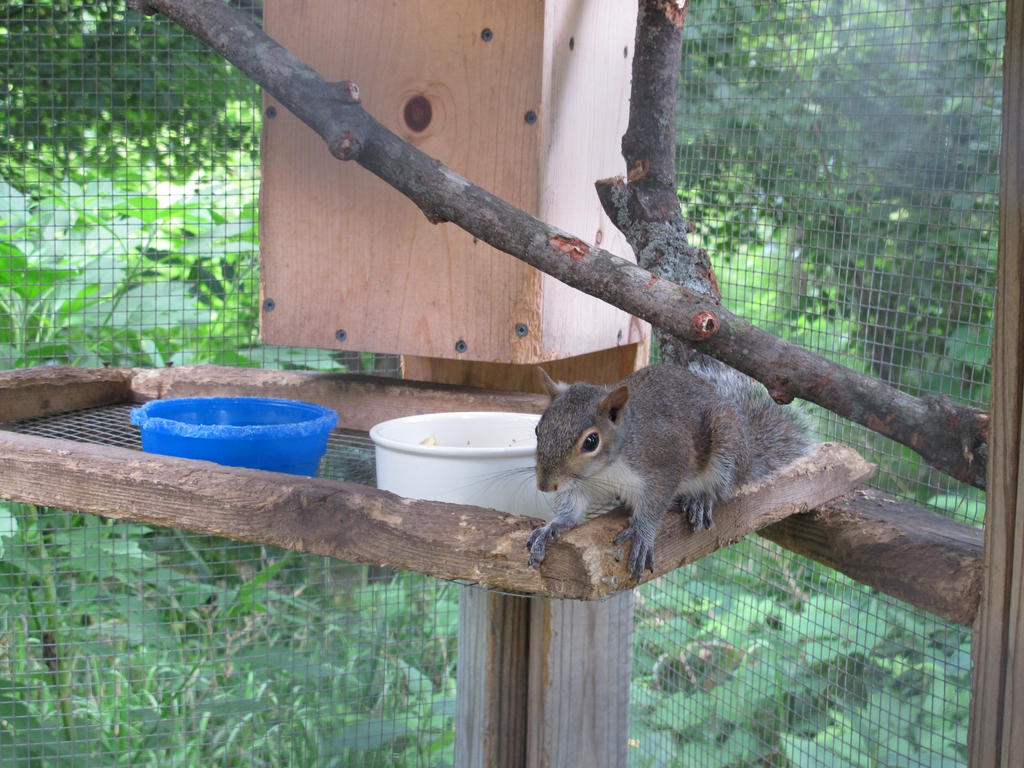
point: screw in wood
(340, 334)
(460, 346)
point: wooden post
(580, 663)
(997, 700)
(491, 687)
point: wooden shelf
(354, 521)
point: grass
(126, 645)
(122, 646)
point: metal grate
(349, 456)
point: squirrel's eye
(590, 442)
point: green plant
(788, 665)
(865, 185)
(149, 275)
(121, 93)
(116, 640)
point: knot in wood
(705, 324)
(345, 146)
(349, 92)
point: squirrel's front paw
(538, 544)
(641, 556)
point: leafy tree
(871, 180)
(93, 84)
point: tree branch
(645, 207)
(948, 436)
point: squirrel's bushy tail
(776, 435)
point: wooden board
(579, 689)
(605, 367)
(915, 555)
(340, 251)
(491, 699)
(356, 523)
(361, 401)
(49, 389)
(997, 701)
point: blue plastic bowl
(257, 432)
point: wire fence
(839, 159)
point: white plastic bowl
(483, 458)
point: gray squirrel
(665, 436)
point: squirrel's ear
(550, 386)
(614, 402)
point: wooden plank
(803, 485)
(605, 367)
(996, 735)
(586, 88)
(361, 401)
(579, 701)
(342, 251)
(356, 523)
(48, 389)
(915, 555)
(491, 702)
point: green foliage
(118, 92)
(790, 666)
(864, 183)
(116, 634)
(153, 274)
(92, 274)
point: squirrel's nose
(545, 483)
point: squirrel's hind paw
(697, 508)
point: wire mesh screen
(124, 644)
(839, 159)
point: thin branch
(948, 436)
(645, 208)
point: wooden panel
(343, 252)
(997, 701)
(586, 92)
(491, 696)
(579, 687)
(48, 389)
(605, 367)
